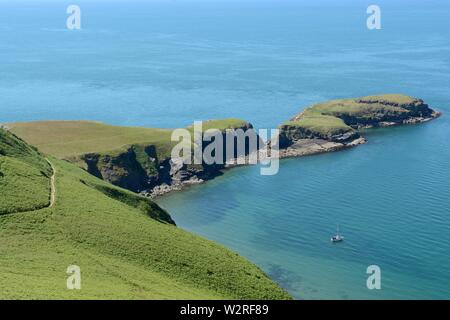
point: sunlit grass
(124, 244)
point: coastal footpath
(138, 159)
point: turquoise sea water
(167, 64)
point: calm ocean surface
(168, 64)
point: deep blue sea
(168, 63)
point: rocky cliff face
(414, 111)
(139, 169)
(289, 134)
(126, 169)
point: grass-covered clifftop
(124, 244)
(338, 120)
(134, 158)
(64, 139)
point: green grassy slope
(320, 124)
(24, 176)
(65, 139)
(121, 247)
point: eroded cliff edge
(149, 168)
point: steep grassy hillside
(124, 244)
(337, 120)
(24, 176)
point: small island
(335, 124)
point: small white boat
(337, 237)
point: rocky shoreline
(412, 120)
(304, 147)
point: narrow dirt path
(52, 185)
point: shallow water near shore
(168, 64)
(392, 215)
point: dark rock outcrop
(139, 169)
(289, 134)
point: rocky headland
(334, 125)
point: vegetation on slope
(132, 199)
(319, 125)
(123, 245)
(24, 176)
